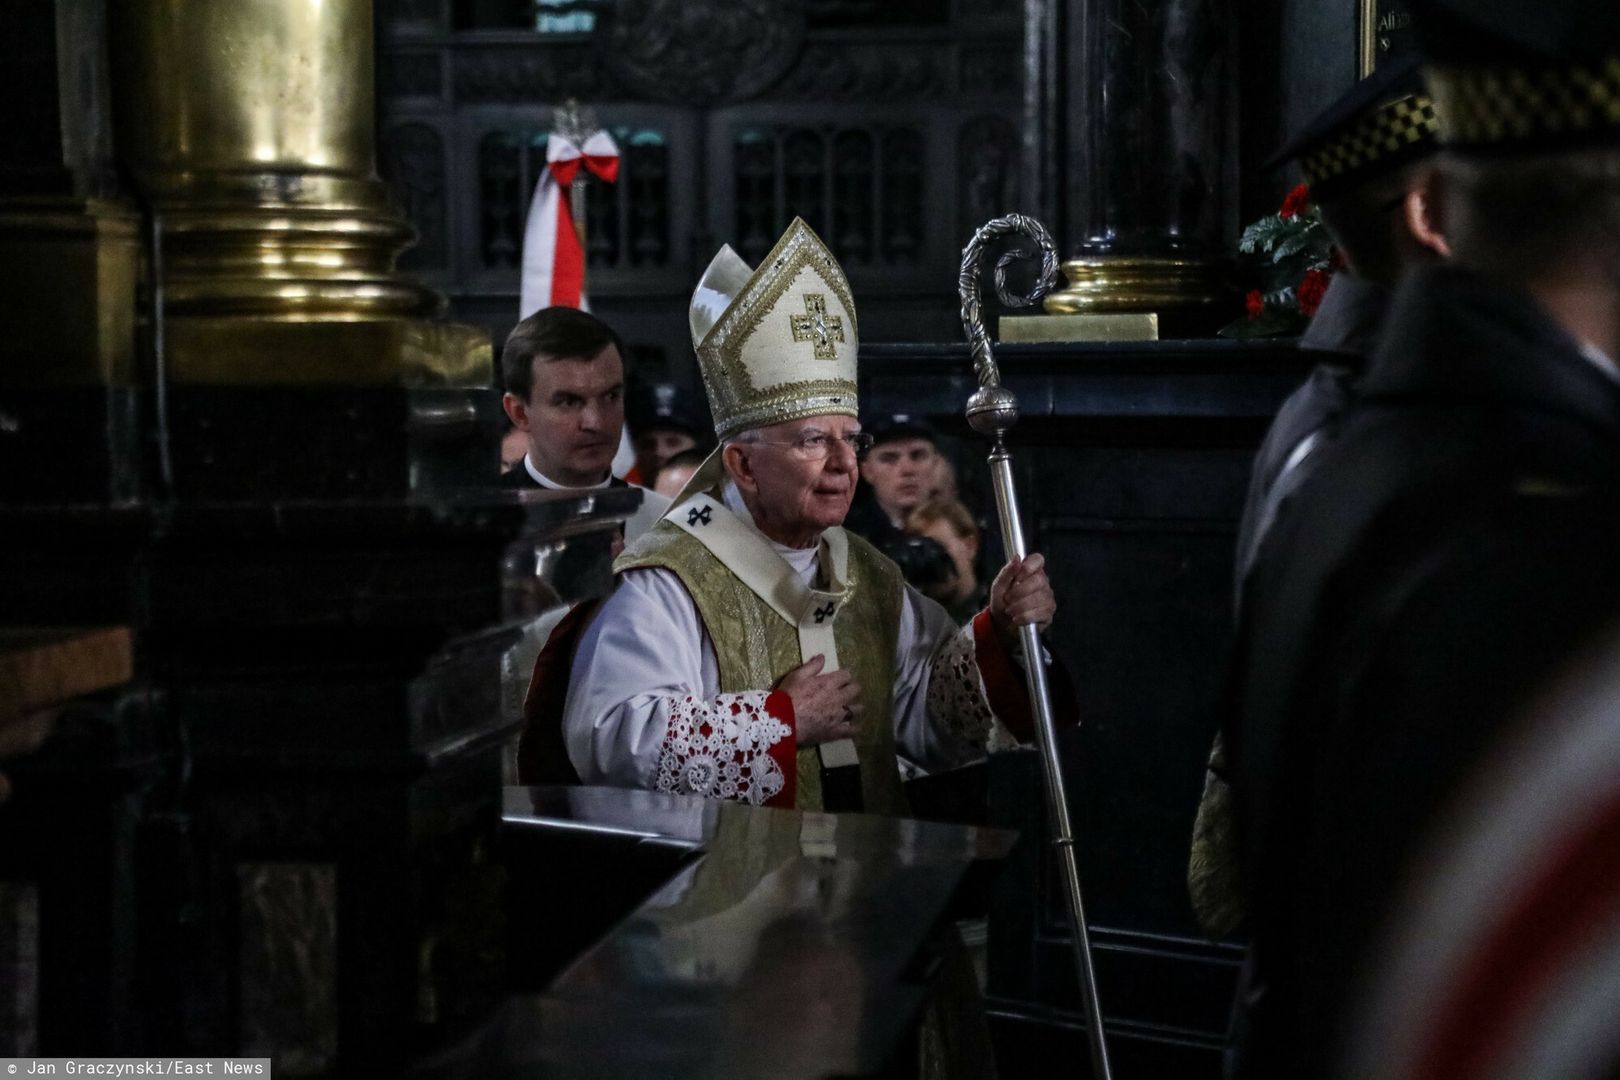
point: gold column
(248, 128)
(1115, 284)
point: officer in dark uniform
(1457, 542)
(1366, 160)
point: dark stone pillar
(275, 840)
(1133, 107)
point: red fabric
(632, 476)
(542, 755)
(1547, 928)
(605, 166)
(1007, 689)
(568, 258)
(786, 752)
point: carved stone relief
(834, 122)
(552, 73)
(878, 12)
(410, 74)
(873, 73)
(700, 53)
(419, 15)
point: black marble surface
(769, 943)
(319, 675)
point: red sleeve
(1007, 689)
(786, 752)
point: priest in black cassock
(564, 374)
(1455, 545)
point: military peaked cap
(1384, 122)
(1516, 76)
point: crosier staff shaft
(992, 411)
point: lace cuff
(956, 699)
(732, 746)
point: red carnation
(1311, 290)
(1297, 201)
(1256, 303)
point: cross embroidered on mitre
(816, 326)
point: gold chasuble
(763, 622)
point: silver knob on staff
(992, 411)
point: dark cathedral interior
(476, 601)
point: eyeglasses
(816, 445)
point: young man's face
(573, 416)
(900, 473)
(657, 445)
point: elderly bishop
(752, 649)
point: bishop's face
(798, 477)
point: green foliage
(1276, 253)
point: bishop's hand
(825, 705)
(1020, 595)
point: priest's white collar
(547, 482)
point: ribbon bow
(553, 257)
(600, 158)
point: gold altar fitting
(1114, 326)
(248, 127)
(1106, 284)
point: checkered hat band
(1504, 106)
(1397, 129)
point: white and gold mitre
(777, 343)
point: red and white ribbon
(553, 258)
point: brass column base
(273, 352)
(1104, 284)
(326, 258)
